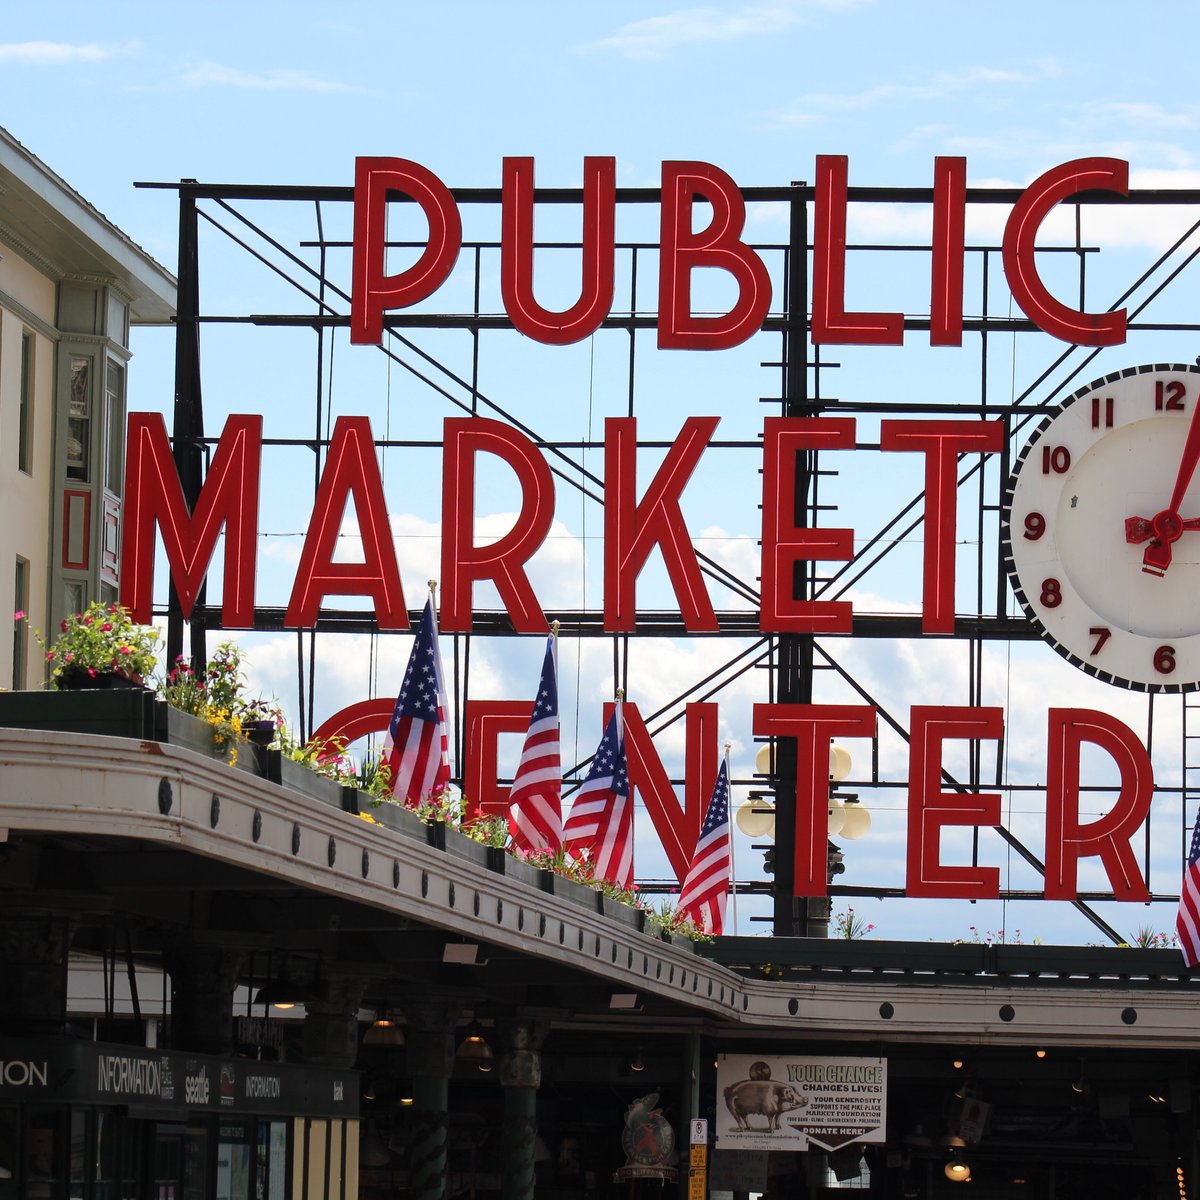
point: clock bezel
(1006, 532)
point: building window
(114, 388)
(79, 421)
(20, 622)
(75, 596)
(25, 411)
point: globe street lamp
(848, 819)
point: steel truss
(802, 373)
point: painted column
(202, 983)
(520, 1076)
(33, 971)
(431, 1026)
(331, 1023)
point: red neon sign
(719, 246)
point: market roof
(48, 221)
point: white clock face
(1101, 529)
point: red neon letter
(516, 254)
(677, 828)
(1020, 235)
(831, 323)
(229, 497)
(930, 808)
(356, 720)
(949, 236)
(486, 720)
(720, 245)
(351, 471)
(784, 544)
(371, 290)
(631, 530)
(941, 442)
(812, 725)
(502, 561)
(1108, 836)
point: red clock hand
(1167, 526)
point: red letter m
(229, 497)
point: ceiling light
(383, 1031)
(284, 992)
(1040, 1052)
(957, 1171)
(636, 1063)
(474, 1048)
(624, 1000)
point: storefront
(92, 1121)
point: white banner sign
(786, 1103)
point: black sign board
(66, 1071)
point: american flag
(1187, 923)
(706, 888)
(535, 802)
(600, 827)
(417, 747)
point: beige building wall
(71, 286)
(27, 302)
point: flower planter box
(624, 914)
(465, 847)
(119, 712)
(399, 819)
(509, 865)
(295, 776)
(577, 893)
(190, 732)
(682, 942)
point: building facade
(71, 287)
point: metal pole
(794, 662)
(188, 414)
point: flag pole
(732, 864)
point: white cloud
(653, 37)
(1106, 225)
(941, 86)
(1104, 116)
(57, 54)
(211, 74)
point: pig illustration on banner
(763, 1098)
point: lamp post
(848, 819)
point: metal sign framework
(310, 270)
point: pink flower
(87, 620)
(50, 656)
(19, 615)
(92, 672)
(63, 625)
(126, 649)
(69, 656)
(106, 628)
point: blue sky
(291, 93)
